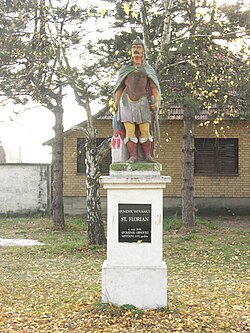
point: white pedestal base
(134, 272)
(143, 287)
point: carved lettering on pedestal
(134, 223)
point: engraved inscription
(134, 223)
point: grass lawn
(57, 287)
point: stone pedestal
(134, 272)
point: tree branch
(145, 27)
(212, 36)
(166, 32)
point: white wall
(25, 188)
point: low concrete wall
(210, 206)
(78, 206)
(223, 206)
(203, 206)
(25, 188)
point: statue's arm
(117, 95)
(155, 94)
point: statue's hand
(154, 106)
(116, 132)
(154, 103)
(112, 107)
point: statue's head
(137, 48)
(138, 41)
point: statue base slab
(143, 287)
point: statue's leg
(131, 142)
(146, 142)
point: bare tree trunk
(94, 155)
(188, 216)
(57, 203)
(145, 29)
(166, 34)
(96, 232)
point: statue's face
(137, 50)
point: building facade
(221, 171)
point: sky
(24, 131)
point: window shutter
(204, 156)
(227, 156)
(216, 156)
(106, 161)
(81, 167)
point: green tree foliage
(29, 71)
(40, 42)
(80, 63)
(191, 44)
(200, 62)
(45, 47)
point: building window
(216, 157)
(81, 167)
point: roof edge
(99, 115)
